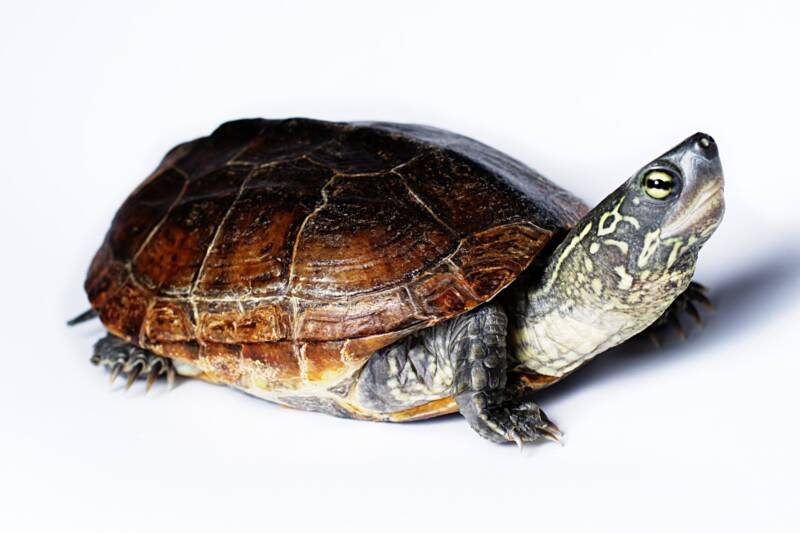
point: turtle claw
(155, 371)
(699, 287)
(685, 303)
(170, 374)
(115, 371)
(654, 338)
(122, 357)
(550, 431)
(513, 421)
(703, 299)
(692, 311)
(677, 326)
(513, 436)
(133, 374)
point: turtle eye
(659, 183)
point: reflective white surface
(696, 436)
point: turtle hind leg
(686, 303)
(122, 357)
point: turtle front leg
(122, 357)
(480, 359)
(464, 358)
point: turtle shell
(281, 254)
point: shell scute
(240, 322)
(286, 140)
(357, 316)
(364, 150)
(125, 310)
(271, 365)
(172, 257)
(442, 292)
(143, 211)
(207, 154)
(495, 257)
(367, 236)
(323, 361)
(281, 254)
(168, 320)
(252, 253)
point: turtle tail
(83, 317)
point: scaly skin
(615, 274)
(621, 267)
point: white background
(696, 436)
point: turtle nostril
(706, 146)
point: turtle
(391, 272)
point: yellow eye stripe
(658, 184)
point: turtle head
(680, 194)
(651, 228)
(625, 262)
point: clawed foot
(519, 422)
(121, 357)
(685, 304)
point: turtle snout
(701, 204)
(704, 145)
(703, 162)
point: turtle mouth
(702, 214)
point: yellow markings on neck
(676, 243)
(622, 245)
(625, 279)
(593, 248)
(597, 286)
(651, 241)
(610, 219)
(566, 253)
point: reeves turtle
(391, 272)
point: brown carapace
(281, 254)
